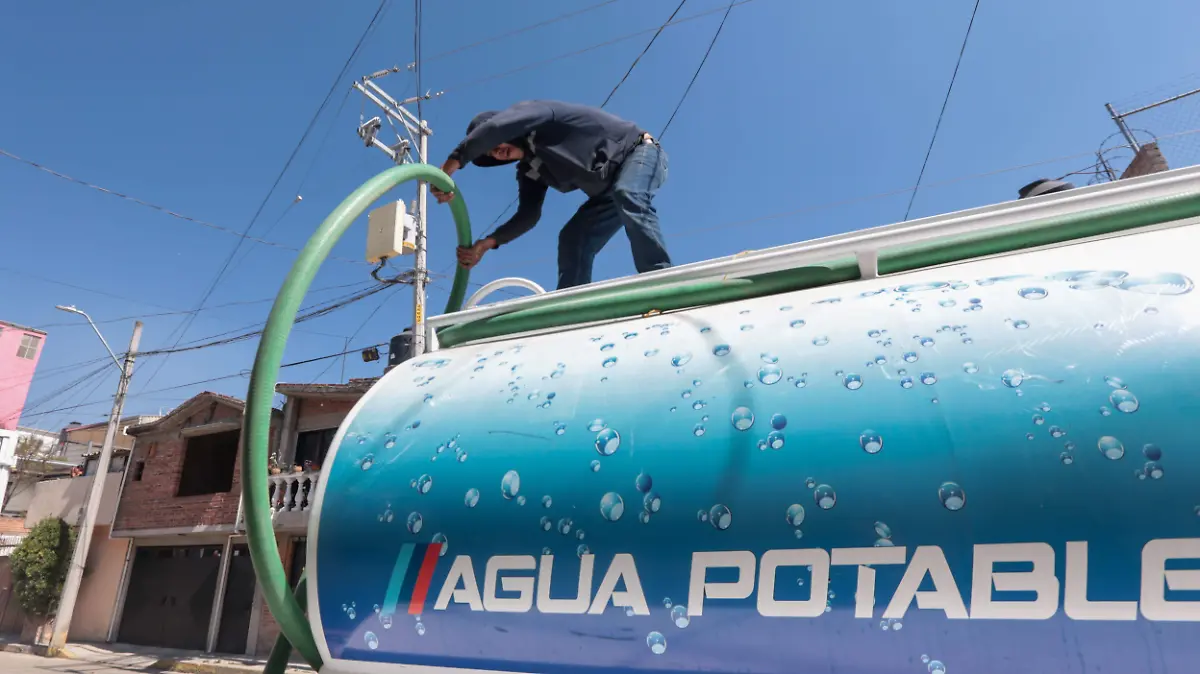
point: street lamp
(70, 593)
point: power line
(356, 331)
(187, 322)
(584, 50)
(697, 73)
(945, 101)
(646, 49)
(518, 31)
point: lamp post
(66, 604)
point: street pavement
(20, 663)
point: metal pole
(66, 607)
(419, 271)
(1120, 120)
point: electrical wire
(644, 50)
(697, 73)
(355, 333)
(518, 31)
(187, 322)
(945, 101)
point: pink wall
(16, 372)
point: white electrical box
(391, 232)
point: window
(139, 469)
(299, 560)
(312, 446)
(115, 465)
(208, 463)
(29, 347)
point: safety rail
(500, 284)
(292, 492)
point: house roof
(18, 326)
(354, 388)
(12, 525)
(183, 408)
(129, 421)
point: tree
(40, 564)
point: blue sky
(196, 106)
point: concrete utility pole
(418, 133)
(66, 604)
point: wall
(268, 629)
(98, 591)
(65, 498)
(18, 373)
(12, 618)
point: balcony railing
(291, 496)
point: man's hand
(470, 256)
(449, 167)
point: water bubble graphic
(852, 382)
(385, 619)
(928, 378)
(882, 530)
(610, 361)
(953, 497)
(699, 405)
(721, 350)
(1153, 469)
(367, 462)
(926, 342)
(680, 617)
(372, 640)
(606, 347)
(420, 628)
(652, 503)
(559, 429)
(644, 517)
(510, 484)
(608, 441)
(521, 500)
(1032, 293)
(1012, 378)
(947, 303)
(820, 341)
(775, 440)
(801, 382)
(643, 482)
(798, 323)
(1111, 447)
(565, 524)
(911, 357)
(1020, 324)
(769, 358)
(825, 497)
(884, 543)
(595, 465)
(424, 484)
(390, 442)
(1152, 452)
(747, 328)
(657, 643)
(906, 382)
(1039, 419)
(870, 441)
(1115, 382)
(1124, 401)
(1056, 432)
(1167, 283)
(720, 517)
(415, 522)
(769, 374)
(686, 393)
(612, 506)
(1150, 311)
(936, 667)
(681, 359)
(795, 514)
(1067, 458)
(351, 613)
(970, 368)
(546, 523)
(698, 430)
(472, 498)
(597, 425)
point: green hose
(256, 428)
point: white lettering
(699, 588)
(622, 570)
(461, 570)
(1075, 602)
(1155, 574)
(1041, 580)
(812, 607)
(864, 593)
(582, 594)
(928, 559)
(522, 585)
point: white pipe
(993, 217)
(508, 282)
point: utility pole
(416, 136)
(66, 604)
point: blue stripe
(396, 584)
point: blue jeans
(626, 204)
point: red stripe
(423, 578)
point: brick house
(189, 582)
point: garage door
(170, 596)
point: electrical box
(391, 232)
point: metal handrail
(506, 282)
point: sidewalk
(145, 658)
